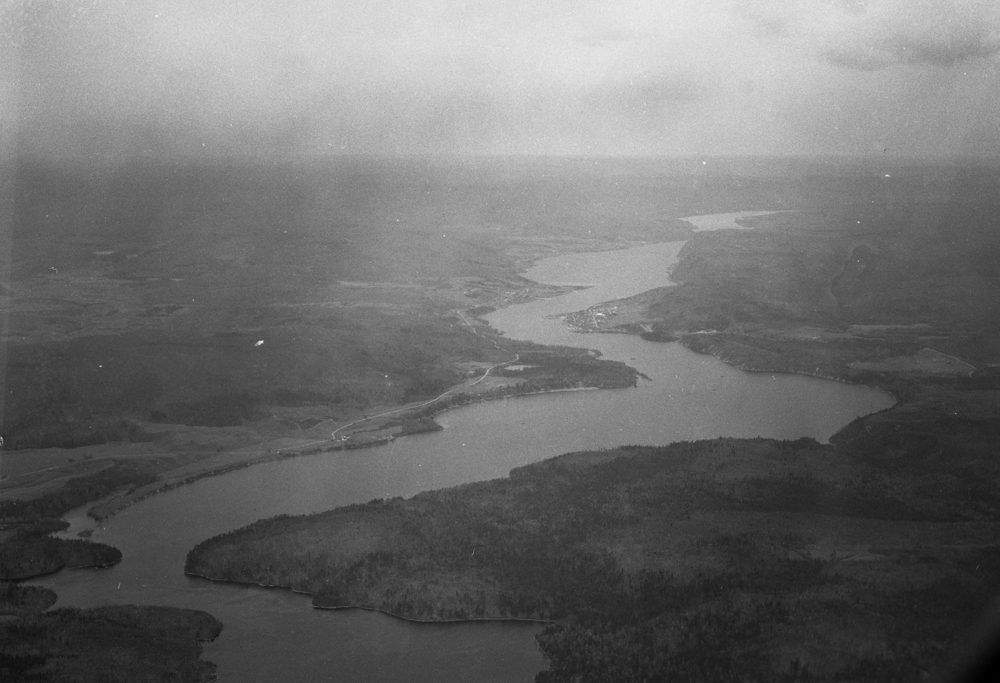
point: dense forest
(18, 599)
(24, 556)
(27, 550)
(108, 645)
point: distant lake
(274, 635)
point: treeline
(100, 388)
(828, 358)
(17, 599)
(42, 431)
(26, 556)
(27, 549)
(80, 490)
(108, 645)
(557, 370)
(220, 410)
(418, 425)
(551, 372)
(60, 395)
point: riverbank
(318, 603)
(568, 367)
(143, 470)
(693, 538)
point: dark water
(273, 635)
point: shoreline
(130, 498)
(743, 366)
(254, 584)
(104, 511)
(30, 577)
(315, 448)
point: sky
(146, 78)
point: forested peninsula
(728, 559)
(867, 559)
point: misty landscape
(488, 341)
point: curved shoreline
(105, 510)
(412, 620)
(127, 499)
(18, 579)
(335, 444)
(743, 366)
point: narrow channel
(274, 635)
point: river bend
(273, 635)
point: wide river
(274, 635)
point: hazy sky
(141, 77)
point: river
(273, 635)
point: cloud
(859, 59)
(870, 35)
(608, 37)
(916, 32)
(945, 49)
(150, 77)
(645, 97)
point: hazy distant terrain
(139, 294)
(142, 293)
